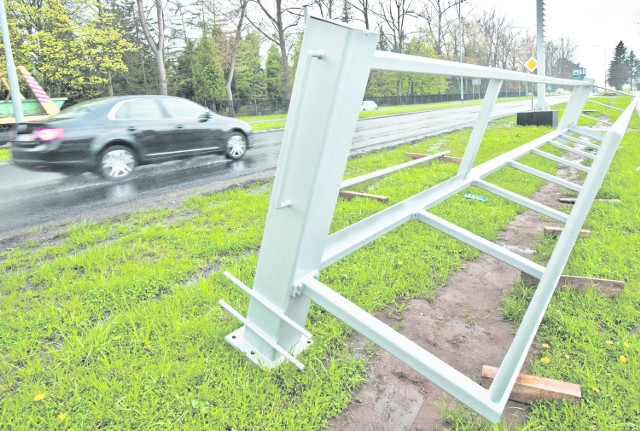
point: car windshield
(79, 109)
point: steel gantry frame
(334, 67)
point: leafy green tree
(384, 84)
(381, 84)
(619, 67)
(250, 77)
(296, 56)
(208, 74)
(182, 82)
(72, 48)
(274, 74)
(419, 83)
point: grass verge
(586, 337)
(5, 154)
(116, 325)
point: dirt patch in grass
(463, 326)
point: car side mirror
(205, 116)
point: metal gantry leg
(322, 118)
(329, 87)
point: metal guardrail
(296, 246)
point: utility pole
(541, 114)
(541, 105)
(11, 67)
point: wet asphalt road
(30, 199)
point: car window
(80, 109)
(181, 108)
(139, 109)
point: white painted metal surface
(329, 87)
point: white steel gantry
(334, 66)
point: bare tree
(240, 11)
(362, 6)
(328, 8)
(560, 58)
(157, 47)
(438, 24)
(485, 41)
(394, 14)
(275, 26)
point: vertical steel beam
(332, 75)
(470, 152)
(574, 108)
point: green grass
(115, 325)
(5, 155)
(586, 337)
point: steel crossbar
(581, 142)
(572, 150)
(606, 106)
(591, 134)
(296, 246)
(521, 200)
(561, 160)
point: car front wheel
(236, 145)
(116, 163)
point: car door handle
(179, 126)
(131, 129)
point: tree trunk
(156, 47)
(110, 83)
(284, 59)
(234, 54)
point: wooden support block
(530, 388)
(611, 288)
(552, 230)
(443, 158)
(452, 159)
(567, 200)
(416, 155)
(350, 195)
(572, 200)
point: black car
(111, 136)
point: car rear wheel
(116, 163)
(236, 145)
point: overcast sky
(595, 26)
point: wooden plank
(350, 195)
(416, 155)
(443, 158)
(611, 288)
(452, 159)
(572, 200)
(553, 230)
(530, 388)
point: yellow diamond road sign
(531, 64)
